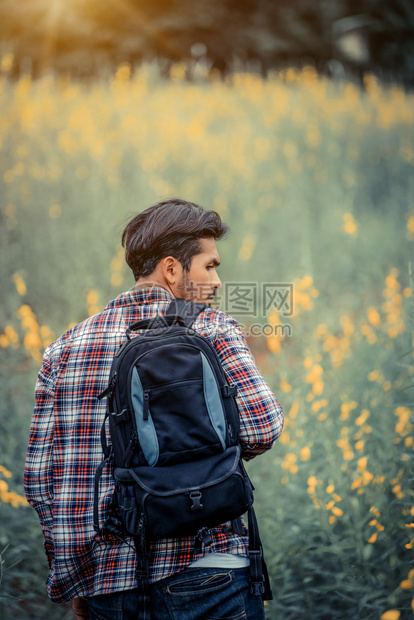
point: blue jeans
(193, 594)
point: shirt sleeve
(38, 478)
(261, 415)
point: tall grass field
(316, 180)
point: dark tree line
(88, 37)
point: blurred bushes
(90, 38)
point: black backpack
(175, 450)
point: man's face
(201, 281)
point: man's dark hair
(170, 228)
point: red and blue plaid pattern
(65, 447)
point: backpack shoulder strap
(187, 310)
(259, 577)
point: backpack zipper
(130, 447)
(146, 404)
(110, 387)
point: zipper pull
(130, 448)
(110, 387)
(146, 405)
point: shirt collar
(141, 296)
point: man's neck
(142, 283)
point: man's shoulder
(216, 323)
(106, 323)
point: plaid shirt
(65, 447)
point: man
(171, 249)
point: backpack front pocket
(181, 420)
(214, 490)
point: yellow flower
(373, 538)
(11, 336)
(362, 463)
(92, 297)
(289, 463)
(391, 614)
(117, 279)
(274, 341)
(319, 404)
(356, 483)
(305, 454)
(410, 228)
(346, 408)
(285, 386)
(321, 330)
(360, 421)
(317, 387)
(402, 412)
(284, 437)
(315, 373)
(349, 226)
(306, 282)
(293, 412)
(373, 316)
(6, 473)
(19, 283)
(367, 477)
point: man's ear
(171, 269)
